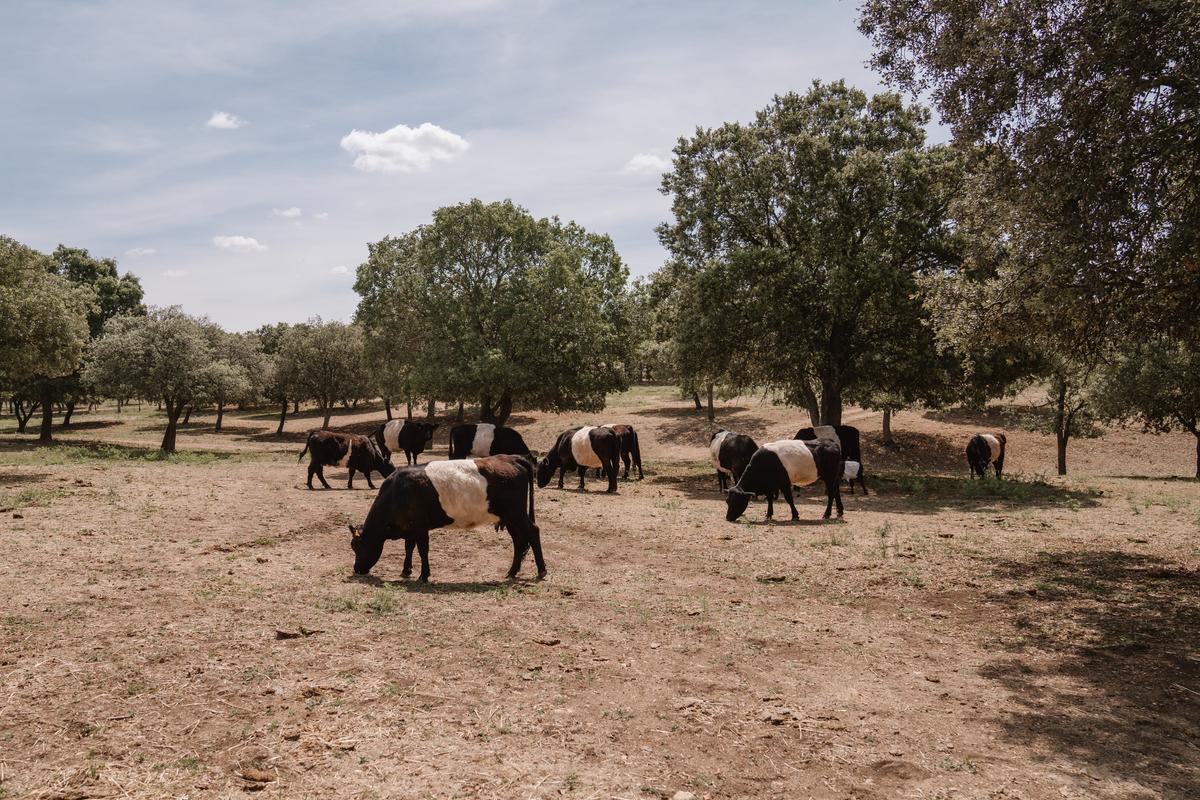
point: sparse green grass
(910, 577)
(931, 491)
(31, 498)
(94, 452)
(383, 601)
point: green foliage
(323, 361)
(486, 301)
(798, 239)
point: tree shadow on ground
(87, 425)
(908, 493)
(98, 450)
(990, 417)
(1121, 690)
(18, 478)
(698, 431)
(1155, 478)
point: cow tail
(531, 480)
(637, 452)
(305, 450)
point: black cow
(984, 449)
(464, 493)
(777, 466)
(411, 437)
(849, 439)
(852, 471)
(580, 448)
(485, 439)
(336, 449)
(631, 451)
(731, 452)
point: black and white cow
(580, 448)
(464, 493)
(485, 439)
(631, 451)
(778, 466)
(349, 450)
(984, 449)
(399, 434)
(849, 439)
(730, 452)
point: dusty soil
(191, 628)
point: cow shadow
(414, 586)
(1113, 672)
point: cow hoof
(406, 573)
(541, 575)
(424, 579)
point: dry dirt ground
(191, 628)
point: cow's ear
(355, 531)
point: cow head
(736, 502)
(430, 427)
(544, 472)
(367, 549)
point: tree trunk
(696, 400)
(387, 407)
(459, 418)
(295, 406)
(327, 410)
(66, 423)
(282, 418)
(831, 405)
(1062, 453)
(887, 428)
(168, 442)
(712, 414)
(431, 409)
(1062, 427)
(45, 434)
(811, 405)
(118, 405)
(1197, 435)
(25, 414)
(486, 414)
(504, 409)
(408, 409)
(187, 415)
(220, 416)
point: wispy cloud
(223, 120)
(239, 244)
(403, 149)
(175, 273)
(321, 215)
(141, 251)
(287, 213)
(646, 164)
(340, 269)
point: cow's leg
(561, 472)
(321, 476)
(626, 459)
(862, 480)
(720, 481)
(520, 544)
(350, 479)
(535, 541)
(582, 472)
(423, 549)
(787, 495)
(999, 467)
(312, 470)
(612, 467)
(409, 544)
(833, 493)
(770, 505)
(369, 479)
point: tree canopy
(488, 302)
(323, 361)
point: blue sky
(208, 146)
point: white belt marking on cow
(391, 434)
(462, 492)
(715, 450)
(994, 444)
(851, 471)
(581, 448)
(827, 432)
(345, 460)
(797, 460)
(481, 445)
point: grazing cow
(411, 437)
(731, 453)
(336, 449)
(485, 439)
(464, 493)
(848, 438)
(631, 452)
(580, 448)
(853, 471)
(778, 466)
(984, 449)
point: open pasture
(189, 626)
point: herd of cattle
(490, 475)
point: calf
(580, 448)
(485, 439)
(411, 437)
(631, 452)
(464, 493)
(731, 453)
(778, 466)
(853, 471)
(335, 449)
(984, 449)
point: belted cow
(399, 434)
(849, 439)
(730, 453)
(485, 439)
(778, 466)
(464, 493)
(580, 448)
(349, 450)
(631, 451)
(984, 449)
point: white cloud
(225, 121)
(321, 215)
(287, 213)
(646, 164)
(340, 269)
(175, 273)
(140, 251)
(239, 244)
(403, 149)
